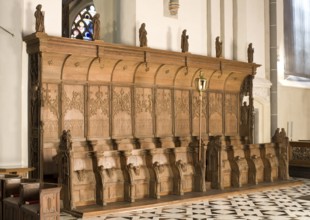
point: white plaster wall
(127, 22)
(18, 17)
(10, 78)
(108, 22)
(261, 94)
(240, 29)
(227, 28)
(293, 97)
(165, 32)
(294, 106)
(214, 25)
(250, 27)
(52, 18)
(255, 23)
(52, 23)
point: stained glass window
(82, 27)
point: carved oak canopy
(100, 90)
(97, 61)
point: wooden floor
(96, 210)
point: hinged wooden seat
(45, 204)
(32, 201)
(11, 205)
(7, 188)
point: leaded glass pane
(82, 27)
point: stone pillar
(273, 64)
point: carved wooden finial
(276, 137)
(142, 35)
(184, 42)
(218, 47)
(96, 22)
(39, 15)
(65, 140)
(250, 53)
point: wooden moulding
(89, 52)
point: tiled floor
(278, 204)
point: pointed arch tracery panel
(182, 112)
(144, 114)
(50, 110)
(73, 109)
(98, 111)
(231, 114)
(121, 112)
(215, 113)
(164, 123)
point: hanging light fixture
(201, 84)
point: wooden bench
(299, 163)
(12, 204)
(7, 189)
(43, 204)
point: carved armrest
(135, 169)
(159, 167)
(110, 171)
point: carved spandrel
(215, 113)
(50, 110)
(121, 112)
(143, 111)
(73, 109)
(181, 103)
(73, 99)
(163, 112)
(98, 111)
(231, 112)
(98, 104)
(301, 153)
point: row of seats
(28, 199)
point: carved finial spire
(250, 53)
(96, 22)
(142, 35)
(218, 47)
(184, 42)
(65, 140)
(39, 15)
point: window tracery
(82, 26)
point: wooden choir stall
(118, 123)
